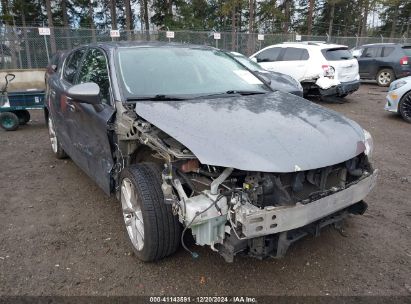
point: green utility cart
(14, 106)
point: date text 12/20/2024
(203, 299)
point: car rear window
(407, 50)
(337, 54)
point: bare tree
(331, 19)
(310, 17)
(91, 17)
(51, 26)
(113, 14)
(366, 6)
(66, 23)
(128, 18)
(287, 15)
(251, 20)
(144, 4)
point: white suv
(325, 69)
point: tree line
(390, 18)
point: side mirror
(88, 92)
(254, 59)
(54, 67)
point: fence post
(382, 38)
(356, 40)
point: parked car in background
(278, 81)
(383, 62)
(399, 98)
(189, 140)
(323, 69)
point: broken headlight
(369, 144)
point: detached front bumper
(344, 88)
(270, 220)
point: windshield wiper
(158, 97)
(232, 93)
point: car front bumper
(343, 88)
(270, 220)
(392, 100)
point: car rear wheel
(404, 107)
(153, 230)
(55, 144)
(9, 121)
(385, 77)
(24, 116)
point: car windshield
(248, 63)
(183, 72)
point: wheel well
(384, 68)
(46, 115)
(144, 153)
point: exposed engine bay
(255, 213)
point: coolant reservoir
(201, 202)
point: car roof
(311, 45)
(129, 44)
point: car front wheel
(154, 232)
(55, 144)
(404, 107)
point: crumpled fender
(326, 83)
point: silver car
(399, 98)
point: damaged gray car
(191, 141)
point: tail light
(404, 60)
(328, 71)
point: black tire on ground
(23, 115)
(343, 95)
(162, 229)
(404, 107)
(9, 121)
(385, 77)
(57, 149)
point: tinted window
(72, 63)
(372, 52)
(269, 55)
(337, 54)
(295, 54)
(94, 69)
(407, 50)
(387, 51)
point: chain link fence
(24, 48)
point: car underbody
(239, 211)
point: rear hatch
(344, 64)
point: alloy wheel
(132, 213)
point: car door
(58, 103)
(367, 62)
(294, 62)
(268, 58)
(92, 149)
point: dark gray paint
(274, 132)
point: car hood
(274, 132)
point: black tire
(23, 115)
(9, 121)
(162, 229)
(404, 107)
(385, 77)
(343, 95)
(58, 151)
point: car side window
(372, 52)
(292, 54)
(269, 55)
(71, 65)
(94, 69)
(387, 51)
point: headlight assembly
(369, 144)
(397, 85)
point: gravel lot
(60, 234)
